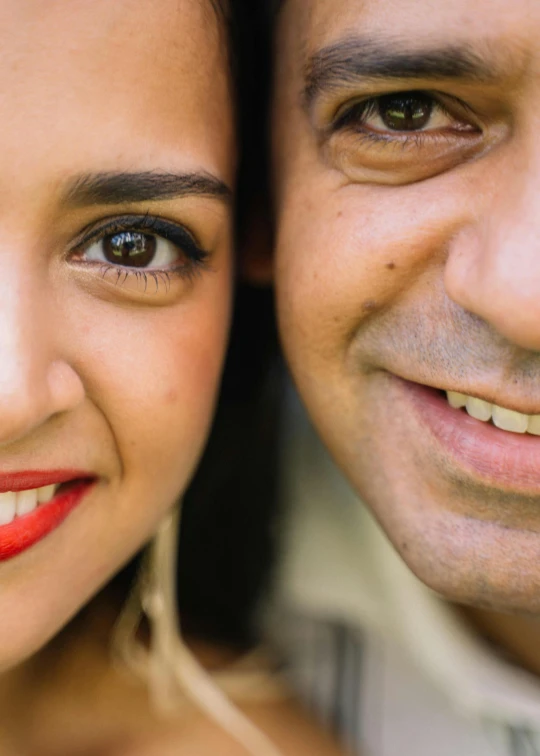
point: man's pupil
(405, 112)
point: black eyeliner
(168, 230)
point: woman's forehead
(88, 36)
(89, 83)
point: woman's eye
(401, 112)
(140, 253)
(133, 249)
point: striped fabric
(363, 688)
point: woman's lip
(27, 530)
(505, 460)
(25, 480)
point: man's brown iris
(409, 111)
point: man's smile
(502, 417)
(493, 444)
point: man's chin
(470, 561)
(458, 498)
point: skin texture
(416, 260)
(100, 372)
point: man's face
(407, 187)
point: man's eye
(401, 112)
(401, 137)
(406, 112)
(133, 249)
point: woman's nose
(493, 268)
(36, 383)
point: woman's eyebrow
(124, 187)
(347, 61)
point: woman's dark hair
(227, 534)
(227, 539)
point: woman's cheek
(191, 369)
(153, 373)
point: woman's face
(115, 266)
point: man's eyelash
(398, 141)
(353, 117)
(358, 112)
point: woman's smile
(33, 503)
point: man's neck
(513, 635)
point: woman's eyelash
(193, 259)
(177, 235)
(158, 277)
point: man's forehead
(502, 30)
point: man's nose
(493, 268)
(36, 383)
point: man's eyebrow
(124, 187)
(353, 58)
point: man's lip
(505, 460)
(508, 402)
(25, 480)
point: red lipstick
(26, 530)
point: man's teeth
(503, 418)
(20, 503)
(510, 420)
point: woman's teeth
(19, 503)
(506, 419)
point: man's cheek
(338, 274)
(364, 251)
